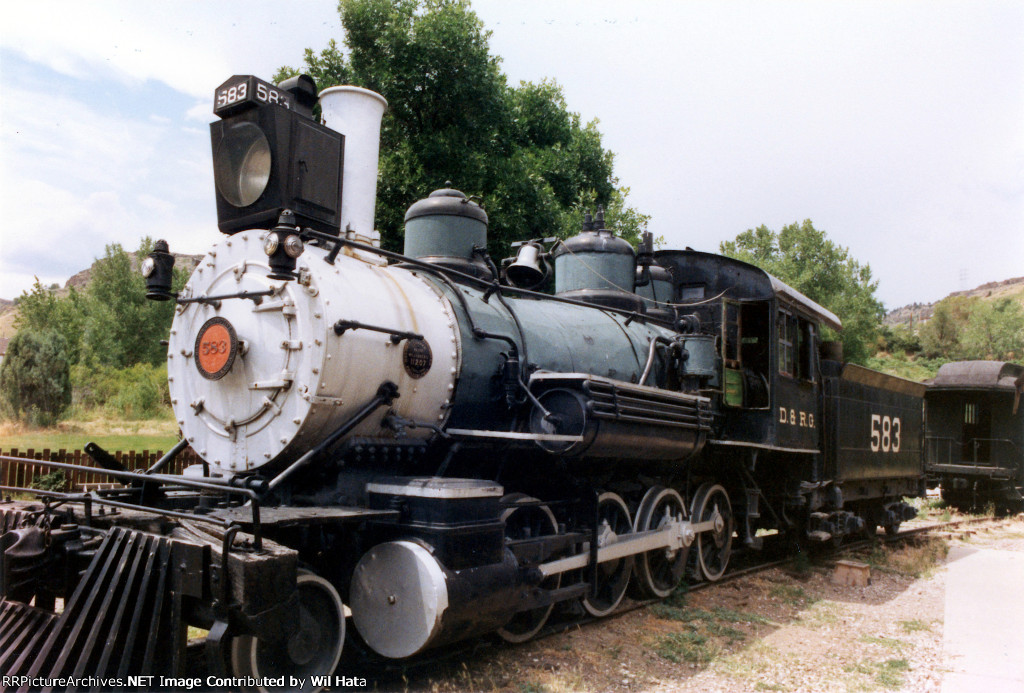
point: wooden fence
(22, 474)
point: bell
(526, 270)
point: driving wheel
(659, 571)
(525, 520)
(612, 576)
(713, 547)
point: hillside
(9, 310)
(922, 312)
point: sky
(897, 127)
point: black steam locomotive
(401, 451)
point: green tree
(122, 326)
(805, 258)
(995, 330)
(452, 117)
(942, 334)
(44, 309)
(35, 382)
(969, 328)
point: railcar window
(787, 328)
(805, 349)
(796, 346)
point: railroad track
(384, 672)
(569, 622)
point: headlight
(270, 244)
(293, 246)
(147, 266)
(242, 164)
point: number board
(245, 91)
(216, 348)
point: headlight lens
(148, 265)
(270, 244)
(241, 164)
(293, 246)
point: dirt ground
(788, 629)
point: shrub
(35, 382)
(54, 481)
(136, 392)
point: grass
(708, 618)
(708, 633)
(688, 646)
(888, 643)
(914, 625)
(916, 559)
(821, 613)
(110, 434)
(791, 594)
(761, 665)
(888, 674)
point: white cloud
(896, 129)
(76, 179)
(190, 46)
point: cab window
(796, 346)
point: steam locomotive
(405, 450)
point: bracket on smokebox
(397, 336)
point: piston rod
(675, 535)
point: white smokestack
(356, 113)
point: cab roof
(739, 280)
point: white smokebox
(356, 113)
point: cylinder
(404, 601)
(356, 113)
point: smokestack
(356, 113)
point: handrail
(220, 487)
(933, 450)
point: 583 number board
(245, 91)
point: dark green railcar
(974, 441)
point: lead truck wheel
(314, 649)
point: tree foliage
(110, 322)
(35, 381)
(452, 117)
(123, 327)
(805, 258)
(964, 328)
(44, 309)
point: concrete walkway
(984, 628)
